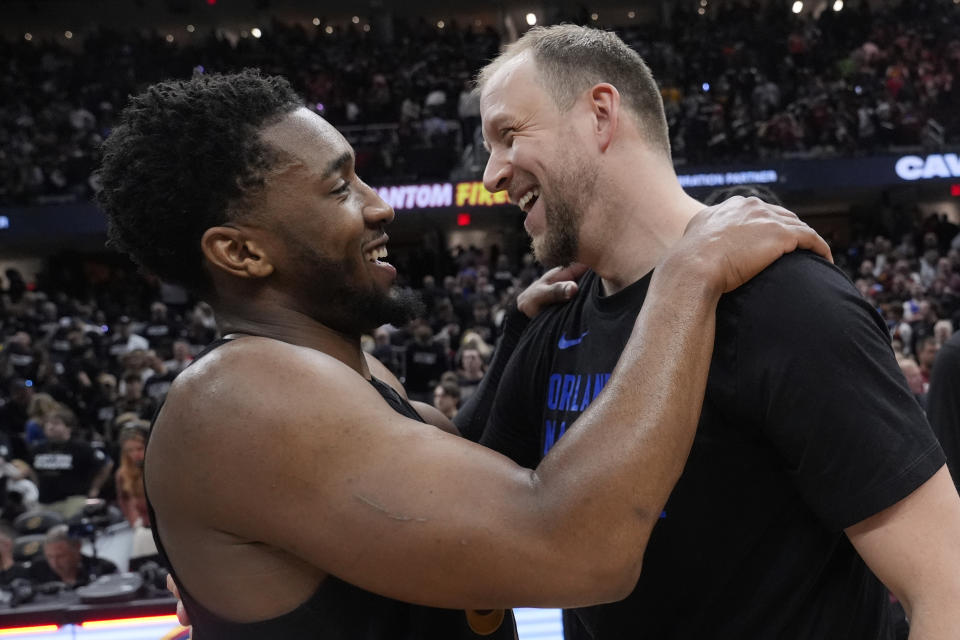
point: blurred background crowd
(752, 81)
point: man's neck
(633, 239)
(293, 327)
(639, 220)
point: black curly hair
(184, 157)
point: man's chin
(548, 255)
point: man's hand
(738, 238)
(182, 617)
(555, 286)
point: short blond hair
(571, 59)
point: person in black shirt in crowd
(367, 506)
(161, 331)
(426, 361)
(14, 412)
(943, 402)
(812, 459)
(64, 562)
(471, 369)
(68, 471)
(133, 399)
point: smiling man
(295, 492)
(813, 472)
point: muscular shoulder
(249, 395)
(231, 372)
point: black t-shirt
(943, 402)
(807, 428)
(65, 469)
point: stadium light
(191, 28)
(169, 37)
(366, 28)
(255, 32)
(703, 3)
(355, 19)
(594, 17)
(531, 19)
(328, 30)
(441, 24)
(631, 14)
(701, 11)
(838, 5)
(68, 34)
(28, 37)
(316, 22)
(798, 6)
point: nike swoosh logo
(566, 344)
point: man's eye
(342, 189)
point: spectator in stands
(470, 371)
(446, 398)
(22, 356)
(129, 476)
(158, 382)
(68, 471)
(383, 350)
(40, 405)
(20, 493)
(182, 356)
(9, 569)
(102, 402)
(911, 371)
(503, 275)
(160, 331)
(926, 355)
(14, 411)
(942, 332)
(425, 361)
(133, 399)
(943, 402)
(202, 328)
(63, 561)
(125, 340)
(482, 322)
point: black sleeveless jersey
(341, 611)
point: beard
(564, 204)
(334, 298)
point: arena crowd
(741, 82)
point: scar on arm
(382, 509)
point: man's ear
(234, 251)
(605, 106)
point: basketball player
(295, 492)
(813, 472)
